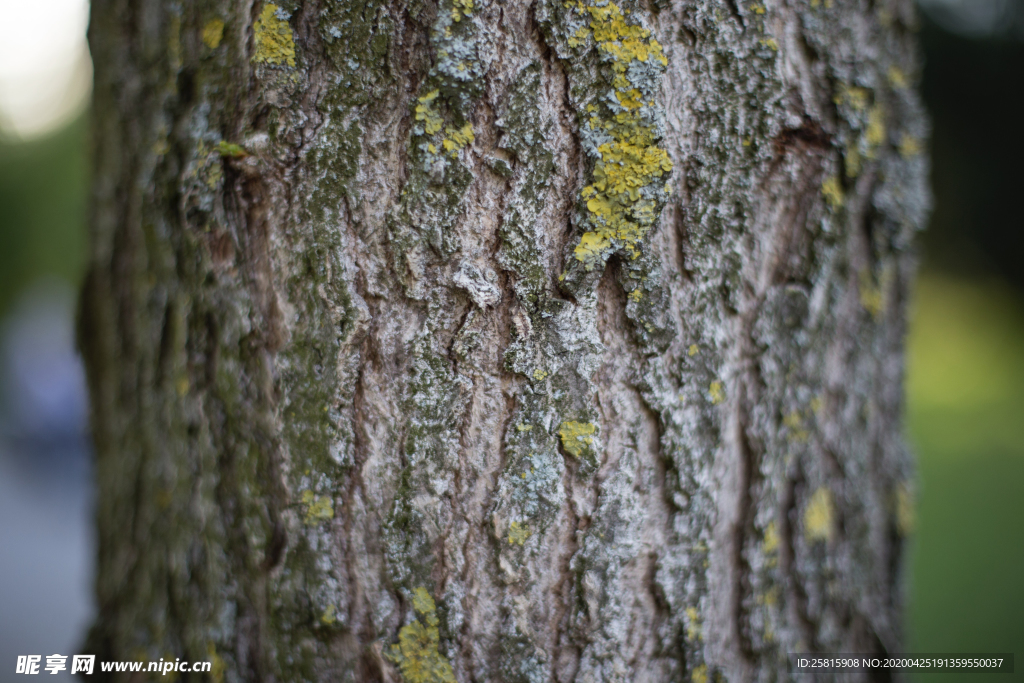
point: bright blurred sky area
(45, 70)
(975, 18)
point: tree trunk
(533, 340)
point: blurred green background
(43, 201)
(965, 386)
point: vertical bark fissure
(564, 651)
(787, 563)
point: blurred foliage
(965, 381)
(43, 193)
(974, 92)
(965, 390)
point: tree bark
(501, 341)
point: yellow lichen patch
(818, 517)
(328, 617)
(693, 629)
(579, 37)
(217, 668)
(771, 44)
(416, 652)
(771, 539)
(816, 405)
(833, 192)
(897, 78)
(769, 598)
(539, 374)
(700, 674)
(274, 42)
(716, 392)
(796, 427)
(909, 146)
(213, 32)
(906, 510)
(457, 138)
(214, 175)
(523, 427)
(852, 160)
(518, 533)
(318, 508)
(692, 351)
(618, 213)
(426, 113)
(591, 246)
(857, 98)
(757, 8)
(636, 295)
(870, 294)
(577, 437)
(875, 134)
(461, 8)
(174, 41)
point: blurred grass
(43, 193)
(965, 396)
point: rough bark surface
(531, 340)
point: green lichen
(416, 652)
(524, 130)
(273, 37)
(577, 437)
(230, 149)
(716, 392)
